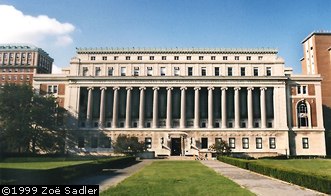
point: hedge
(315, 182)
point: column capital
(142, 88)
(197, 88)
(183, 88)
(210, 88)
(237, 88)
(116, 88)
(170, 88)
(156, 88)
(224, 88)
(103, 88)
(263, 88)
(250, 88)
(90, 88)
(128, 88)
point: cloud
(16, 27)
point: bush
(234, 161)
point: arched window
(302, 113)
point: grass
(177, 178)
(321, 167)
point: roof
(316, 33)
(22, 47)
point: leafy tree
(221, 148)
(128, 145)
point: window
(81, 142)
(108, 124)
(225, 58)
(236, 58)
(136, 71)
(115, 58)
(200, 57)
(218, 140)
(21, 77)
(203, 125)
(213, 58)
(255, 71)
(104, 58)
(163, 71)
(176, 71)
(245, 143)
(123, 71)
(301, 89)
(229, 71)
(272, 143)
(256, 124)
(302, 113)
(176, 58)
(243, 125)
(230, 125)
(127, 58)
(15, 77)
(217, 71)
(305, 143)
(268, 71)
(203, 71)
(260, 58)
(269, 125)
(304, 89)
(52, 89)
(92, 58)
(258, 143)
(248, 58)
(2, 78)
(232, 143)
(148, 142)
(188, 57)
(85, 71)
(204, 143)
(164, 57)
(97, 71)
(94, 142)
(190, 71)
(242, 71)
(151, 58)
(110, 71)
(140, 58)
(149, 71)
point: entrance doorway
(175, 146)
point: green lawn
(320, 167)
(39, 163)
(177, 178)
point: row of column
(182, 108)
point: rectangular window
(151, 58)
(225, 58)
(21, 77)
(115, 58)
(127, 58)
(305, 143)
(268, 71)
(188, 57)
(136, 71)
(232, 143)
(81, 142)
(260, 58)
(245, 144)
(164, 57)
(256, 71)
(190, 71)
(176, 71)
(200, 57)
(9, 78)
(248, 58)
(217, 71)
(104, 58)
(213, 58)
(163, 71)
(236, 58)
(15, 77)
(176, 58)
(97, 71)
(258, 143)
(52, 89)
(92, 58)
(148, 142)
(229, 71)
(272, 143)
(123, 71)
(242, 71)
(218, 140)
(110, 71)
(140, 58)
(149, 71)
(304, 89)
(299, 89)
(204, 143)
(203, 71)
(85, 71)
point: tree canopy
(128, 145)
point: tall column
(141, 107)
(89, 107)
(183, 107)
(102, 107)
(236, 108)
(155, 107)
(196, 108)
(169, 111)
(128, 108)
(263, 108)
(210, 107)
(250, 107)
(224, 119)
(115, 108)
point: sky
(60, 26)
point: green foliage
(28, 121)
(128, 145)
(221, 148)
(307, 179)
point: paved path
(258, 184)
(112, 177)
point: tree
(221, 148)
(128, 145)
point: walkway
(256, 183)
(111, 177)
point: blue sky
(280, 24)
